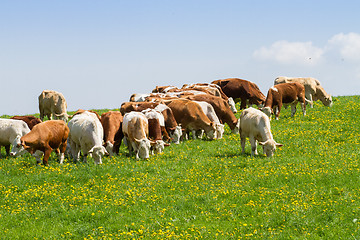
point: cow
(221, 108)
(173, 131)
(52, 104)
(43, 138)
(156, 124)
(113, 135)
(255, 125)
(10, 133)
(313, 89)
(136, 132)
(211, 114)
(242, 90)
(284, 93)
(86, 136)
(214, 90)
(164, 89)
(31, 121)
(191, 117)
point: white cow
(136, 132)
(255, 125)
(313, 89)
(52, 103)
(86, 135)
(211, 114)
(10, 133)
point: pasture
(199, 188)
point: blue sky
(97, 53)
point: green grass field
(199, 189)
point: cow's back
(10, 129)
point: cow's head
(62, 116)
(267, 111)
(158, 146)
(237, 127)
(176, 133)
(97, 153)
(231, 103)
(269, 147)
(143, 148)
(219, 130)
(20, 147)
(212, 132)
(109, 148)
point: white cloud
(348, 45)
(303, 53)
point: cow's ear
(279, 144)
(262, 143)
(166, 144)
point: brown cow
(221, 108)
(191, 117)
(285, 93)
(45, 137)
(31, 121)
(113, 135)
(239, 89)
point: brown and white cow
(171, 126)
(239, 89)
(255, 125)
(221, 108)
(156, 124)
(287, 94)
(113, 135)
(313, 89)
(214, 90)
(31, 121)
(136, 132)
(52, 103)
(191, 117)
(43, 138)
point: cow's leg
(7, 150)
(278, 111)
(62, 150)
(293, 109)
(253, 146)
(38, 154)
(243, 139)
(308, 96)
(47, 153)
(243, 103)
(303, 107)
(75, 151)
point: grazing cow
(10, 133)
(43, 138)
(211, 114)
(214, 90)
(171, 126)
(191, 117)
(31, 121)
(221, 108)
(136, 132)
(52, 103)
(86, 135)
(255, 125)
(239, 89)
(284, 93)
(113, 135)
(313, 89)
(156, 124)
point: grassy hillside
(199, 189)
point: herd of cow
(150, 122)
